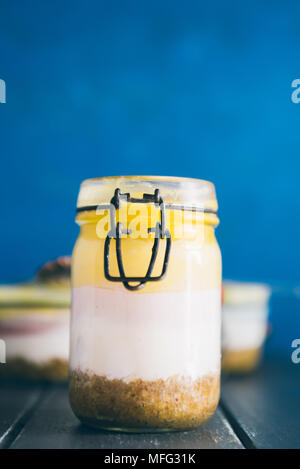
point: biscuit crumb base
(55, 369)
(240, 361)
(177, 403)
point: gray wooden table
(261, 410)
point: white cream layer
(244, 327)
(127, 335)
(40, 347)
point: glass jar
(34, 326)
(244, 325)
(146, 304)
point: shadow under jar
(146, 304)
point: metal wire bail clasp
(116, 231)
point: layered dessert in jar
(145, 356)
(34, 325)
(244, 325)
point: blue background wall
(200, 89)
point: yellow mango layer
(194, 263)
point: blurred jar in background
(145, 353)
(34, 325)
(244, 325)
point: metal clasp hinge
(116, 231)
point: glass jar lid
(245, 293)
(176, 192)
(34, 295)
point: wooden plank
(264, 407)
(53, 425)
(17, 402)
